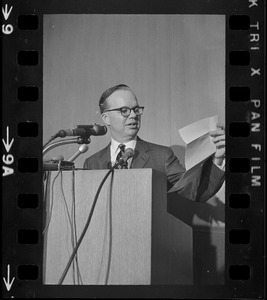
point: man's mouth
(133, 124)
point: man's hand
(218, 138)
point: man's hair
(102, 101)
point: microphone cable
(85, 227)
(49, 213)
(72, 222)
(79, 276)
(88, 221)
(50, 140)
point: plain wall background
(174, 63)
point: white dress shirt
(222, 166)
(114, 150)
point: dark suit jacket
(200, 185)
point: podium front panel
(126, 240)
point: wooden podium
(131, 240)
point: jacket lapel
(141, 154)
(104, 161)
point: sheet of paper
(199, 145)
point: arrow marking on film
(5, 11)
(6, 143)
(7, 282)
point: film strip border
(245, 119)
(22, 148)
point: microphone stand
(79, 140)
(124, 165)
(64, 165)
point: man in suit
(121, 112)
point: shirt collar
(114, 144)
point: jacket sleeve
(174, 170)
(85, 164)
(212, 178)
(198, 184)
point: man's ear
(105, 119)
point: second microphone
(83, 130)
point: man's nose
(132, 114)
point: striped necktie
(120, 154)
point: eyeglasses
(126, 111)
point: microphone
(82, 149)
(57, 163)
(50, 166)
(128, 153)
(61, 165)
(54, 159)
(57, 158)
(83, 130)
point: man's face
(122, 129)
